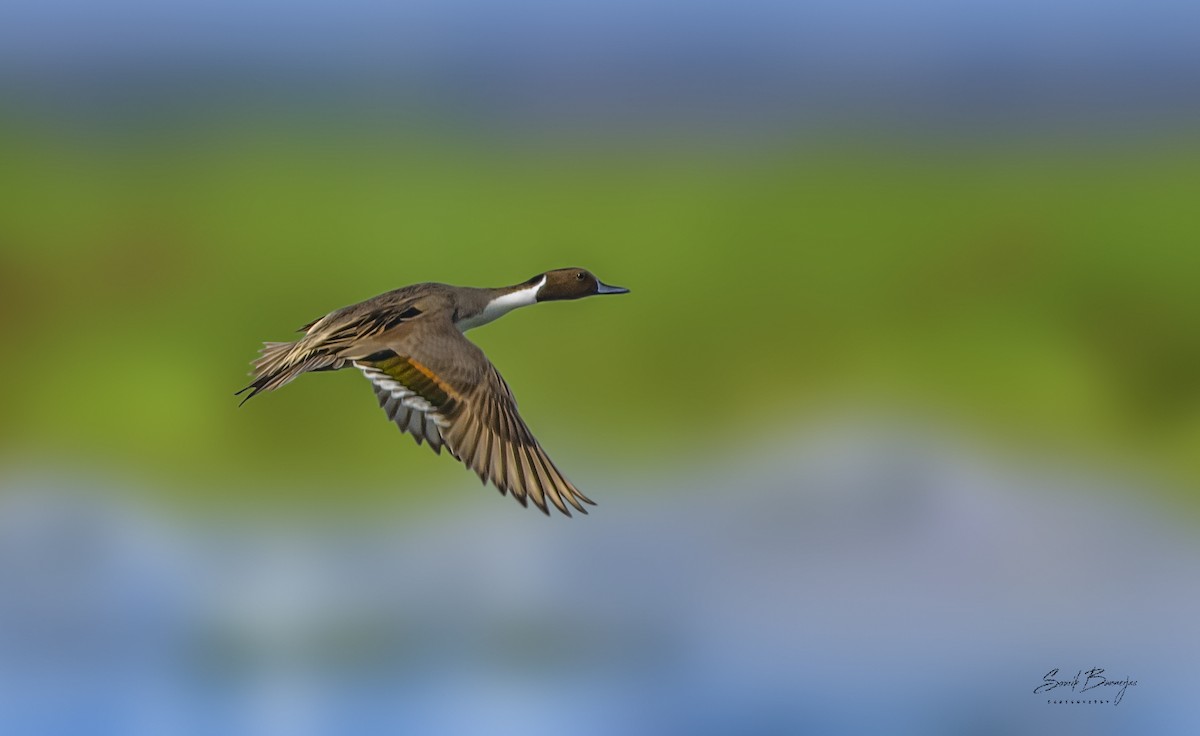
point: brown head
(572, 283)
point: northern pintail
(433, 382)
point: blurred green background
(1040, 295)
(902, 411)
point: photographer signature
(1083, 682)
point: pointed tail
(280, 362)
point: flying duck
(433, 382)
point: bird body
(433, 382)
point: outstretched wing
(448, 393)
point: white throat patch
(502, 305)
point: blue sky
(785, 33)
(642, 59)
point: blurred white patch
(865, 566)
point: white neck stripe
(519, 298)
(502, 305)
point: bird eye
(579, 276)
